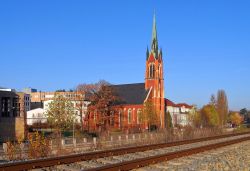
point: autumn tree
(102, 99)
(222, 107)
(209, 116)
(195, 118)
(150, 115)
(60, 113)
(235, 118)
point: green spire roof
(154, 43)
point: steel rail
(52, 161)
(133, 164)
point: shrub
(38, 146)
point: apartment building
(12, 119)
(44, 96)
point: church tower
(154, 80)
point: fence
(82, 145)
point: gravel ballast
(230, 158)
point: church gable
(151, 58)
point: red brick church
(134, 96)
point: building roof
(183, 105)
(131, 93)
(170, 103)
(7, 89)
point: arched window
(139, 116)
(120, 118)
(160, 71)
(112, 119)
(94, 115)
(129, 116)
(151, 71)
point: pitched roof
(169, 103)
(183, 104)
(131, 93)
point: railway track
(141, 162)
(128, 158)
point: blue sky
(58, 44)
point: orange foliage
(236, 118)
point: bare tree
(212, 100)
(79, 104)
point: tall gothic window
(129, 116)
(112, 119)
(120, 118)
(151, 71)
(139, 116)
(94, 115)
(160, 71)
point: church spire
(154, 43)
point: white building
(179, 112)
(36, 116)
(39, 114)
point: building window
(151, 71)
(94, 115)
(129, 116)
(6, 107)
(112, 119)
(15, 108)
(120, 118)
(139, 116)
